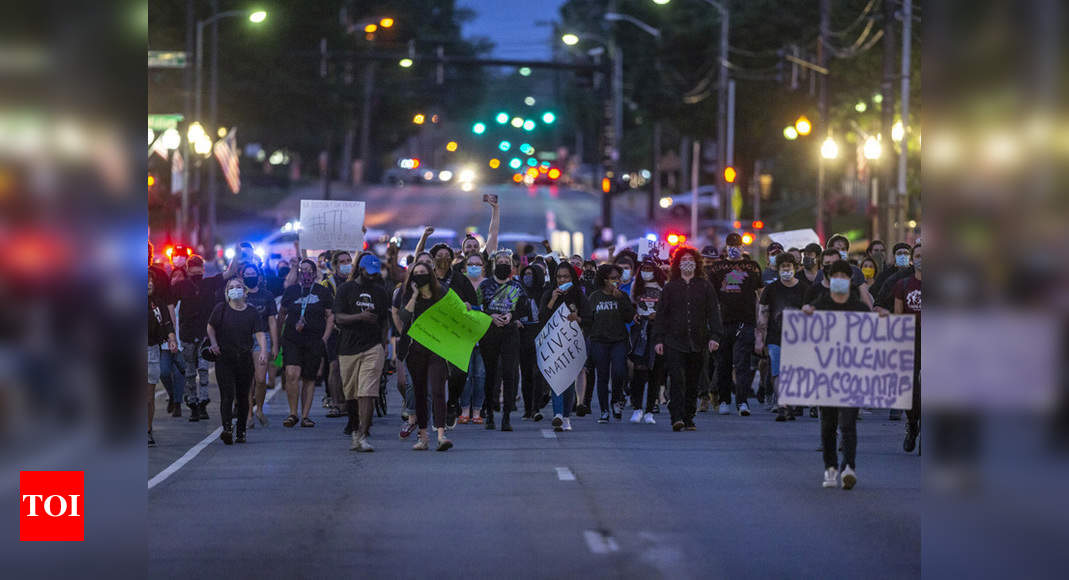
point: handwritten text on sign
(332, 225)
(847, 359)
(450, 330)
(561, 350)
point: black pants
(591, 374)
(534, 387)
(457, 380)
(428, 373)
(913, 415)
(234, 373)
(844, 419)
(734, 353)
(654, 377)
(684, 368)
(500, 348)
(610, 359)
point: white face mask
(235, 293)
(839, 285)
(844, 255)
(625, 275)
(688, 266)
(786, 275)
(647, 276)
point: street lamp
(258, 16)
(872, 148)
(829, 149)
(570, 39)
(790, 133)
(405, 63)
(803, 126)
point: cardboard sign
(561, 350)
(450, 330)
(332, 225)
(795, 238)
(847, 359)
(658, 248)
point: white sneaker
(557, 420)
(744, 410)
(849, 478)
(636, 417)
(648, 419)
(356, 441)
(831, 477)
(567, 424)
(724, 409)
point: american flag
(177, 166)
(226, 151)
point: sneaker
(656, 409)
(724, 409)
(151, 440)
(781, 415)
(704, 406)
(227, 435)
(617, 410)
(538, 416)
(240, 438)
(689, 425)
(678, 425)
(451, 413)
(490, 423)
(356, 441)
(327, 402)
(648, 419)
(176, 411)
(567, 424)
(506, 423)
(406, 429)
(558, 420)
(604, 417)
(831, 477)
(636, 416)
(203, 414)
(910, 442)
(194, 413)
(421, 445)
(582, 410)
(849, 477)
(444, 444)
(744, 410)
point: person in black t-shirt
(263, 301)
(160, 332)
(308, 317)
(231, 328)
(422, 290)
(819, 287)
(786, 292)
(443, 256)
(196, 297)
(737, 280)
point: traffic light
(758, 225)
(502, 118)
(515, 163)
(736, 224)
(548, 117)
(478, 128)
(730, 174)
(504, 145)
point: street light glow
(570, 39)
(666, 202)
(203, 145)
(661, 2)
(419, 119)
(502, 118)
(495, 163)
(504, 145)
(451, 146)
(405, 63)
(790, 133)
(386, 22)
(478, 128)
(528, 125)
(258, 16)
(829, 149)
(861, 107)
(517, 122)
(803, 126)
(898, 131)
(371, 28)
(171, 139)
(872, 148)
(529, 101)
(525, 71)
(548, 118)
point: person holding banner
(605, 318)
(566, 291)
(687, 326)
(841, 419)
(429, 371)
(505, 301)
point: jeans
(475, 387)
(609, 357)
(172, 373)
(563, 403)
(844, 419)
(429, 372)
(500, 348)
(234, 373)
(195, 392)
(734, 352)
(654, 377)
(534, 387)
(684, 368)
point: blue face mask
(734, 252)
(345, 269)
(565, 286)
(901, 260)
(839, 285)
(475, 271)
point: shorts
(154, 364)
(256, 345)
(360, 373)
(773, 359)
(306, 355)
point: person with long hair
(649, 366)
(429, 371)
(263, 301)
(566, 290)
(686, 326)
(307, 319)
(606, 315)
(505, 301)
(231, 329)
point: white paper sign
(847, 359)
(795, 238)
(561, 350)
(332, 225)
(658, 248)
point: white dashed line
(600, 542)
(548, 434)
(565, 474)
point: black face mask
(251, 281)
(421, 280)
(283, 272)
(808, 263)
(827, 272)
(589, 276)
(502, 271)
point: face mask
(283, 272)
(345, 269)
(307, 278)
(565, 286)
(772, 260)
(879, 256)
(844, 255)
(839, 285)
(614, 283)
(589, 275)
(647, 276)
(528, 279)
(734, 252)
(235, 293)
(625, 275)
(901, 260)
(808, 262)
(475, 271)
(786, 275)
(179, 261)
(917, 264)
(421, 280)
(688, 267)
(868, 272)
(251, 281)
(502, 271)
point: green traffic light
(478, 128)
(502, 118)
(504, 145)
(515, 163)
(532, 161)
(548, 117)
(528, 125)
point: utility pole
(887, 117)
(213, 104)
(903, 153)
(721, 105)
(365, 119)
(729, 147)
(825, 128)
(187, 151)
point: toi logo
(51, 506)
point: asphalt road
(739, 498)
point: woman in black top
(533, 280)
(649, 366)
(260, 298)
(428, 370)
(605, 318)
(160, 331)
(231, 327)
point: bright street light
(517, 122)
(790, 133)
(548, 117)
(829, 149)
(528, 125)
(666, 202)
(803, 126)
(661, 2)
(386, 22)
(203, 145)
(171, 139)
(872, 148)
(861, 107)
(258, 16)
(570, 39)
(502, 118)
(529, 101)
(478, 128)
(525, 71)
(405, 63)
(194, 132)
(898, 131)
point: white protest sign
(656, 247)
(847, 359)
(561, 350)
(795, 238)
(332, 225)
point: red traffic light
(736, 224)
(758, 225)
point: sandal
(260, 417)
(477, 421)
(306, 422)
(290, 421)
(462, 420)
(335, 412)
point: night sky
(510, 24)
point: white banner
(332, 225)
(658, 248)
(795, 238)
(847, 359)
(561, 350)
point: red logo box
(51, 506)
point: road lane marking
(195, 450)
(565, 474)
(600, 542)
(548, 434)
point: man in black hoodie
(687, 326)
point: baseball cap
(710, 252)
(774, 246)
(371, 263)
